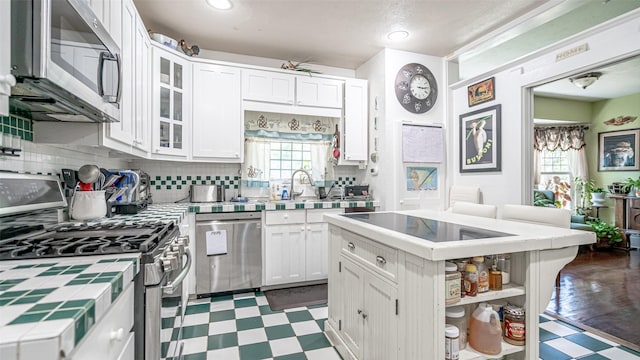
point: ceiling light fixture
(397, 35)
(585, 80)
(220, 4)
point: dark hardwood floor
(600, 291)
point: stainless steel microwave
(66, 64)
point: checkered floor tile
(242, 326)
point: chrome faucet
(293, 193)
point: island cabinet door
(352, 280)
(380, 319)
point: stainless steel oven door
(164, 313)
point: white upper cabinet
(142, 89)
(267, 86)
(6, 79)
(122, 131)
(217, 113)
(355, 129)
(109, 13)
(171, 102)
(315, 91)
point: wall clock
(416, 88)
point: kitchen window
(286, 157)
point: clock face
(416, 88)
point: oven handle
(183, 274)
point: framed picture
(480, 140)
(481, 92)
(618, 150)
(422, 178)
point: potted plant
(583, 190)
(597, 196)
(607, 235)
(633, 186)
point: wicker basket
(617, 188)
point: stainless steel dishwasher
(228, 252)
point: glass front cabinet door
(171, 117)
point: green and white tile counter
(277, 205)
(177, 212)
(47, 306)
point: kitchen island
(387, 278)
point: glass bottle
(483, 274)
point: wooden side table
(627, 215)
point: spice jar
(514, 324)
(495, 278)
(471, 280)
(451, 283)
(504, 265)
(451, 342)
(483, 274)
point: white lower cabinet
(296, 246)
(385, 303)
(285, 251)
(369, 323)
(111, 337)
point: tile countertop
(176, 212)
(47, 306)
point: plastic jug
(485, 331)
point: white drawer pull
(351, 245)
(117, 335)
(381, 260)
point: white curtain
(255, 168)
(536, 168)
(321, 165)
(578, 163)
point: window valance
(558, 138)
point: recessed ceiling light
(220, 4)
(397, 35)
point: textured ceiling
(339, 33)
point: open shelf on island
(470, 354)
(508, 290)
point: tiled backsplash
(49, 159)
(170, 181)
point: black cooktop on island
(428, 229)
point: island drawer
(283, 217)
(382, 258)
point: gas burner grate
(88, 239)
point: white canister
(88, 205)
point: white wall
(390, 183)
(609, 42)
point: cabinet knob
(380, 260)
(6, 82)
(359, 311)
(351, 245)
(117, 335)
(364, 316)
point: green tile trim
(260, 207)
(299, 205)
(335, 205)
(28, 318)
(317, 205)
(238, 208)
(280, 207)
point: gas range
(29, 229)
(77, 239)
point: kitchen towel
(216, 242)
